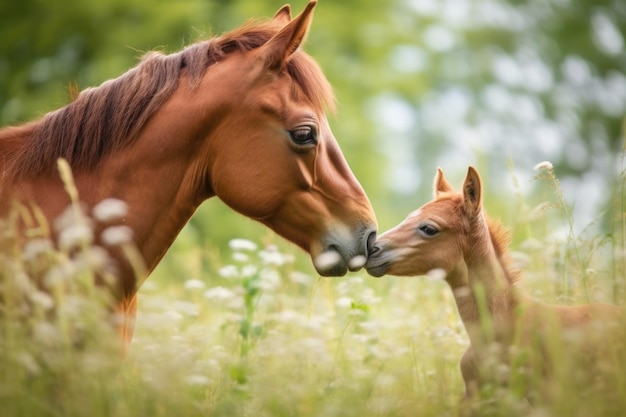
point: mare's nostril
(371, 239)
(373, 251)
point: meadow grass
(246, 333)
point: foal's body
(451, 233)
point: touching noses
(341, 255)
(358, 261)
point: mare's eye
(304, 135)
(427, 230)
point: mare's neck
(484, 294)
(11, 142)
(161, 176)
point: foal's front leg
(469, 370)
(470, 373)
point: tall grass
(250, 335)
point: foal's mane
(500, 239)
(107, 118)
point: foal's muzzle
(377, 263)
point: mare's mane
(107, 118)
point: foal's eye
(304, 135)
(428, 230)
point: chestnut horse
(451, 236)
(240, 116)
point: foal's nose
(373, 251)
(371, 240)
(357, 261)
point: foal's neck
(483, 289)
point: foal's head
(440, 235)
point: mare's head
(436, 236)
(240, 116)
(271, 154)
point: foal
(453, 235)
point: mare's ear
(281, 46)
(441, 185)
(283, 15)
(472, 192)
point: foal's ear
(472, 192)
(283, 15)
(282, 45)
(441, 184)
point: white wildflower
(173, 316)
(357, 313)
(46, 334)
(197, 380)
(344, 302)
(59, 275)
(23, 283)
(194, 284)
(249, 270)
(149, 286)
(218, 293)
(520, 260)
(242, 245)
(326, 260)
(29, 363)
(270, 280)
(532, 244)
(543, 166)
(462, 292)
(357, 262)
(301, 278)
(369, 297)
(187, 308)
(36, 247)
(109, 210)
(117, 235)
(72, 215)
(79, 234)
(436, 274)
(369, 326)
(235, 303)
(287, 316)
(94, 258)
(42, 299)
(229, 271)
(272, 256)
(240, 257)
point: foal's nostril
(373, 251)
(371, 239)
